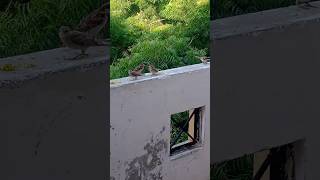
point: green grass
(165, 33)
(179, 119)
(237, 169)
(34, 27)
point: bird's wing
(81, 38)
(138, 68)
(95, 21)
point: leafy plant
(160, 32)
(180, 119)
(163, 53)
(236, 169)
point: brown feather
(95, 21)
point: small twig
(191, 41)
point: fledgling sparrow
(78, 40)
(204, 59)
(137, 71)
(153, 70)
(305, 4)
(95, 21)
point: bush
(158, 32)
(163, 53)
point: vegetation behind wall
(165, 33)
(29, 26)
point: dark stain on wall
(148, 166)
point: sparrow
(153, 70)
(204, 59)
(137, 71)
(305, 4)
(95, 21)
(78, 40)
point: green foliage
(163, 53)
(180, 10)
(225, 8)
(121, 39)
(179, 119)
(160, 32)
(37, 29)
(237, 169)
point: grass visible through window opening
(185, 130)
(280, 161)
(236, 169)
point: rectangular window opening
(282, 162)
(186, 130)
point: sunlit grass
(165, 33)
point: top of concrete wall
(264, 20)
(39, 64)
(162, 75)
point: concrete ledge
(162, 75)
(263, 21)
(54, 115)
(49, 62)
(140, 124)
(266, 92)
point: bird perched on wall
(204, 59)
(78, 40)
(95, 21)
(305, 4)
(137, 71)
(153, 70)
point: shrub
(159, 32)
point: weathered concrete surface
(48, 62)
(55, 125)
(140, 125)
(266, 90)
(253, 23)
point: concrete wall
(54, 118)
(140, 125)
(266, 94)
(266, 84)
